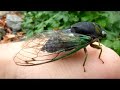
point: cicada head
(99, 31)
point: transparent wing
(47, 46)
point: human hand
(70, 67)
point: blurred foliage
(38, 21)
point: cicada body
(50, 46)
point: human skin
(68, 68)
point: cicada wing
(32, 53)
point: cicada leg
(86, 54)
(97, 47)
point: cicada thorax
(88, 28)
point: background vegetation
(37, 21)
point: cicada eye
(104, 34)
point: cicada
(50, 46)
